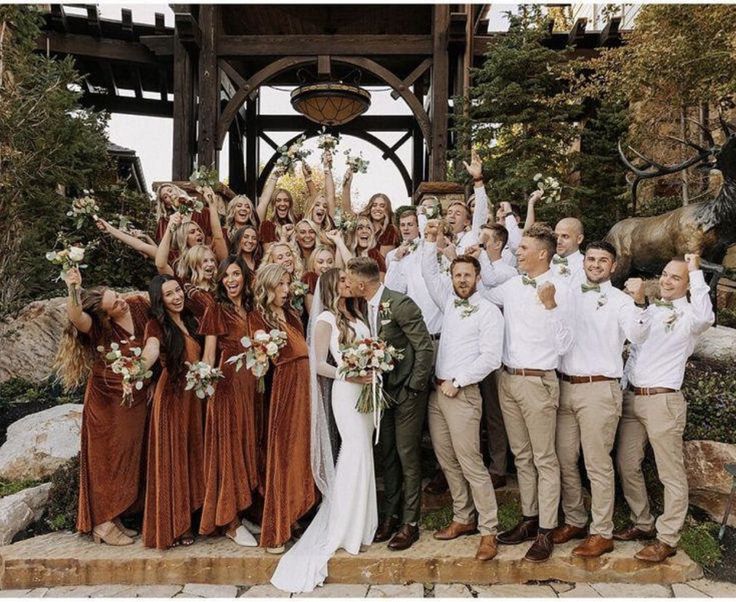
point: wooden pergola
(206, 72)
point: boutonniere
(602, 300)
(384, 312)
(466, 308)
(563, 270)
(298, 291)
(411, 246)
(669, 321)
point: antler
(652, 169)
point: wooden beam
(58, 17)
(160, 21)
(160, 45)
(127, 105)
(190, 34)
(301, 45)
(183, 112)
(416, 73)
(371, 123)
(418, 155)
(268, 140)
(324, 67)
(93, 20)
(399, 142)
(236, 157)
(112, 87)
(578, 31)
(137, 82)
(252, 149)
(208, 86)
(103, 49)
(126, 22)
(237, 79)
(163, 85)
(610, 32)
(439, 92)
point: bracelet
(478, 179)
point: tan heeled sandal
(111, 535)
(121, 527)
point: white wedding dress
(348, 516)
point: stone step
(69, 559)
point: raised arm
(634, 321)
(559, 321)
(703, 316)
(265, 199)
(440, 290)
(347, 207)
(78, 317)
(142, 247)
(329, 183)
(307, 173)
(480, 214)
(531, 216)
(162, 253)
(218, 239)
(395, 275)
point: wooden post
(251, 148)
(439, 92)
(418, 154)
(209, 86)
(184, 119)
(236, 158)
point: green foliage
(509, 513)
(710, 390)
(513, 115)
(18, 390)
(727, 317)
(11, 487)
(438, 519)
(61, 512)
(700, 542)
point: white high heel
(252, 527)
(243, 537)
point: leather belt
(526, 371)
(578, 380)
(651, 390)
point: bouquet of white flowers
(327, 142)
(71, 256)
(344, 221)
(260, 350)
(201, 377)
(203, 176)
(132, 369)
(289, 156)
(357, 164)
(298, 292)
(83, 208)
(550, 186)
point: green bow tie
(462, 303)
(530, 281)
(663, 303)
(557, 260)
(590, 287)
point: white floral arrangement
(326, 141)
(671, 320)
(290, 155)
(70, 257)
(201, 378)
(84, 208)
(204, 176)
(298, 292)
(260, 350)
(344, 221)
(602, 300)
(131, 368)
(356, 163)
(550, 186)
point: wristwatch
(456, 384)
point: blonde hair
(268, 277)
(230, 226)
(328, 283)
(179, 241)
(189, 268)
(161, 209)
(327, 223)
(313, 257)
(290, 217)
(387, 220)
(268, 258)
(74, 357)
(362, 219)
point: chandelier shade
(330, 103)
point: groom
(396, 319)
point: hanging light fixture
(330, 103)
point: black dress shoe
(525, 530)
(404, 537)
(386, 529)
(541, 549)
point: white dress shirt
(515, 234)
(480, 216)
(374, 304)
(534, 337)
(472, 330)
(660, 360)
(602, 323)
(569, 269)
(493, 273)
(405, 276)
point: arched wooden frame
(284, 64)
(388, 153)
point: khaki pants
(660, 419)
(529, 406)
(454, 423)
(588, 415)
(498, 443)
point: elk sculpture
(646, 244)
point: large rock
(717, 343)
(19, 510)
(709, 483)
(40, 443)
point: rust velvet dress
(288, 486)
(175, 474)
(110, 467)
(230, 451)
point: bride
(348, 516)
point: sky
(151, 137)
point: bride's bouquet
(70, 257)
(131, 368)
(370, 357)
(288, 156)
(83, 208)
(259, 351)
(202, 378)
(356, 163)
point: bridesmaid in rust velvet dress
(175, 474)
(231, 474)
(288, 486)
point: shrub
(61, 512)
(11, 487)
(700, 542)
(710, 390)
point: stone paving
(700, 588)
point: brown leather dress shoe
(498, 480)
(438, 485)
(524, 530)
(633, 534)
(655, 552)
(455, 529)
(487, 549)
(541, 549)
(593, 546)
(404, 537)
(567, 532)
(386, 529)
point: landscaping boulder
(19, 510)
(717, 343)
(708, 481)
(40, 443)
